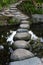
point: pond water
(7, 35)
(37, 29)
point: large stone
(42, 60)
(25, 26)
(31, 61)
(20, 54)
(22, 36)
(21, 30)
(25, 22)
(21, 44)
(37, 18)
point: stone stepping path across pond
(21, 56)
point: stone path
(21, 38)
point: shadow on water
(4, 47)
(37, 28)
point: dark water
(37, 28)
(4, 47)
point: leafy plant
(6, 2)
(28, 8)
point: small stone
(20, 54)
(25, 26)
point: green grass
(5, 3)
(28, 7)
(39, 1)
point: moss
(13, 21)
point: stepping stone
(8, 14)
(17, 13)
(21, 54)
(23, 18)
(13, 8)
(25, 26)
(11, 11)
(25, 22)
(21, 44)
(22, 36)
(42, 60)
(21, 30)
(31, 61)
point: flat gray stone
(25, 26)
(37, 18)
(17, 13)
(23, 18)
(20, 54)
(25, 22)
(21, 44)
(31, 61)
(42, 60)
(13, 8)
(22, 36)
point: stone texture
(25, 26)
(21, 44)
(22, 36)
(42, 60)
(1, 47)
(13, 8)
(20, 54)
(17, 13)
(37, 18)
(31, 61)
(25, 22)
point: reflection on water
(33, 36)
(10, 38)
